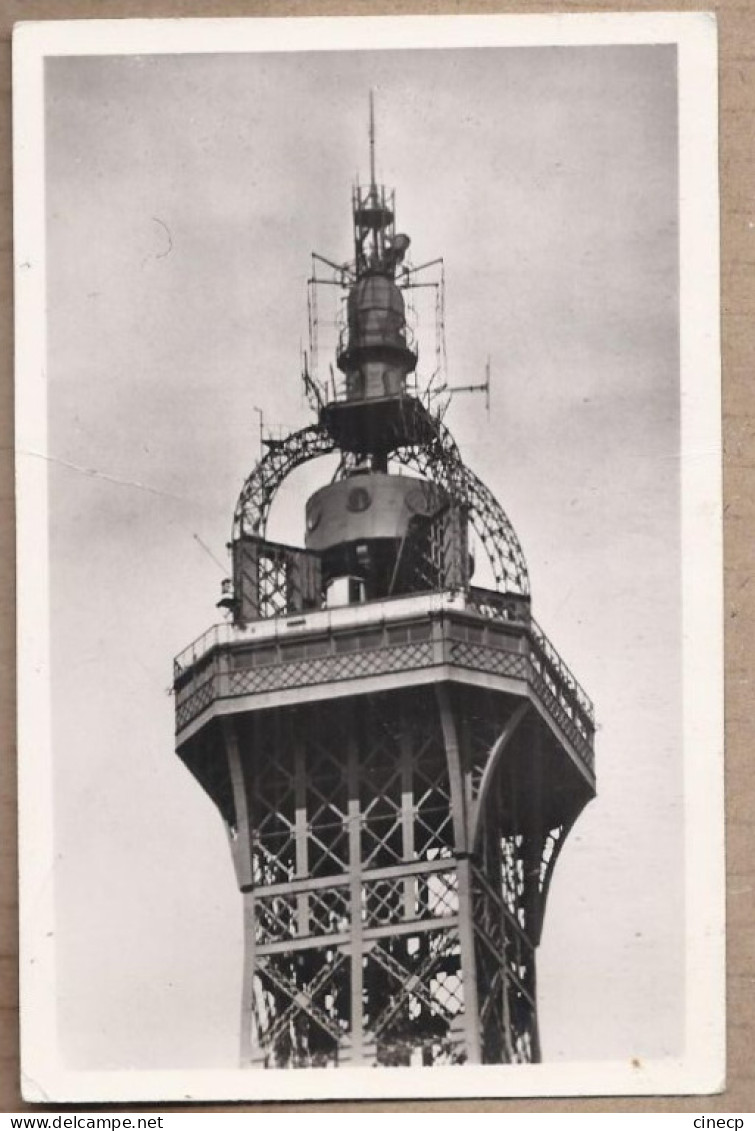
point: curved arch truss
(283, 457)
(489, 520)
(440, 461)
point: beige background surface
(737, 86)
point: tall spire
(373, 218)
(372, 140)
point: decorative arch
(439, 460)
(283, 457)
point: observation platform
(368, 424)
(481, 639)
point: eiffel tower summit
(398, 754)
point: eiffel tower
(398, 755)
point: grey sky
(547, 180)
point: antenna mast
(483, 387)
(372, 140)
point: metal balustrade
(483, 631)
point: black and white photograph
(369, 507)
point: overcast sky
(184, 196)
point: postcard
(369, 557)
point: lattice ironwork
(411, 897)
(326, 669)
(383, 902)
(435, 551)
(271, 579)
(272, 586)
(582, 744)
(522, 1027)
(482, 731)
(300, 1020)
(327, 808)
(486, 659)
(560, 680)
(336, 791)
(550, 851)
(382, 842)
(441, 462)
(276, 918)
(493, 1021)
(272, 805)
(483, 657)
(437, 895)
(433, 834)
(194, 700)
(354, 818)
(415, 986)
(505, 960)
(488, 913)
(512, 875)
(332, 668)
(283, 457)
(329, 911)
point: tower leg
(241, 851)
(459, 791)
(355, 886)
(250, 1050)
(533, 857)
(468, 963)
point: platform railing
(316, 620)
(549, 663)
(554, 666)
(375, 628)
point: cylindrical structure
(375, 355)
(376, 315)
(364, 507)
(382, 529)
